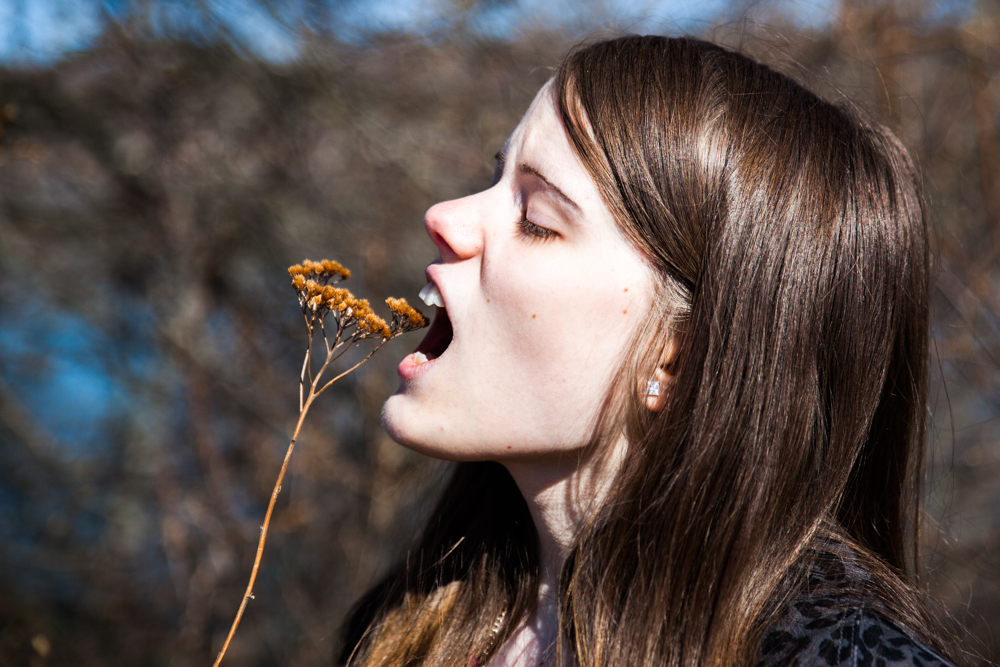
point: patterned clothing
(827, 625)
(816, 634)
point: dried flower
(352, 320)
(324, 270)
(404, 316)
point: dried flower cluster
(353, 321)
(325, 270)
(404, 316)
(314, 283)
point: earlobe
(656, 387)
(656, 390)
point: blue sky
(57, 363)
(41, 31)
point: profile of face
(541, 295)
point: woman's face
(541, 296)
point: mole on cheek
(534, 316)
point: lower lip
(409, 370)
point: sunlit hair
(789, 239)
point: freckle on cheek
(624, 312)
(487, 300)
(510, 447)
(626, 289)
(534, 316)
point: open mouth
(437, 340)
(439, 336)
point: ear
(663, 374)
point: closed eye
(528, 230)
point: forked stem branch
(318, 298)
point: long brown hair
(789, 239)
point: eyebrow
(501, 158)
(528, 169)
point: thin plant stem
(365, 325)
(351, 368)
(303, 411)
(267, 522)
(312, 325)
(326, 342)
(302, 378)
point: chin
(412, 429)
(393, 422)
(405, 427)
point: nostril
(448, 253)
(453, 228)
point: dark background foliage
(154, 186)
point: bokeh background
(162, 162)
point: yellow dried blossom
(360, 308)
(313, 288)
(404, 316)
(371, 323)
(335, 297)
(331, 267)
(324, 270)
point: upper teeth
(431, 296)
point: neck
(562, 493)
(553, 498)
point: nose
(455, 228)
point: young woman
(680, 352)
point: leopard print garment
(817, 633)
(827, 625)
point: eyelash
(526, 229)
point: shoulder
(821, 631)
(831, 622)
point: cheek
(568, 326)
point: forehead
(542, 108)
(540, 139)
(541, 127)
